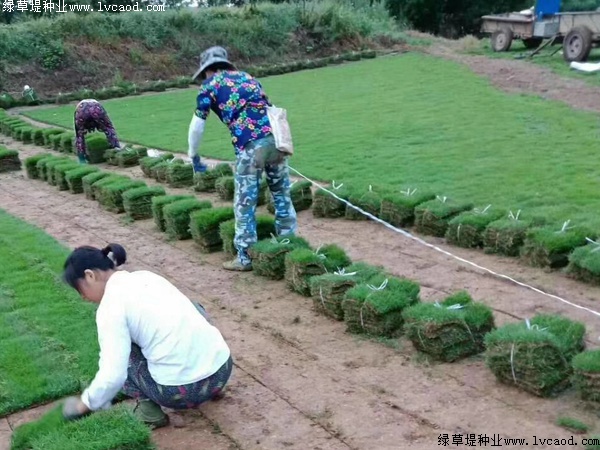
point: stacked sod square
(137, 202)
(9, 160)
(177, 217)
(550, 246)
(31, 165)
(159, 203)
(467, 229)
(432, 218)
(205, 227)
(268, 255)
(327, 206)
(398, 209)
(205, 182)
(265, 227)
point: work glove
(198, 166)
(74, 409)
(82, 159)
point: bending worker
(155, 344)
(90, 115)
(239, 102)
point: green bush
(138, 202)
(205, 227)
(75, 177)
(158, 204)
(536, 355)
(177, 217)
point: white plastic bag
(281, 129)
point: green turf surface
(410, 120)
(48, 343)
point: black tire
(577, 44)
(532, 43)
(502, 40)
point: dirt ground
(302, 382)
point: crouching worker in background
(90, 116)
(156, 345)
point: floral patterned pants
(91, 116)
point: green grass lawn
(48, 343)
(411, 120)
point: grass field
(404, 121)
(48, 343)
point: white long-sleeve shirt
(146, 309)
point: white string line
(427, 244)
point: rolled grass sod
(180, 175)
(158, 204)
(369, 201)
(48, 349)
(159, 171)
(225, 187)
(328, 290)
(9, 160)
(110, 157)
(51, 165)
(41, 166)
(38, 136)
(138, 202)
(535, 356)
(205, 182)
(89, 180)
(26, 135)
(265, 227)
(31, 165)
(205, 227)
(99, 185)
(451, 330)
(302, 264)
(74, 178)
(550, 247)
(375, 308)
(111, 195)
(327, 206)
(96, 144)
(129, 157)
(48, 132)
(148, 162)
(399, 209)
(56, 141)
(268, 255)
(432, 217)
(506, 236)
(67, 142)
(586, 375)
(60, 171)
(114, 429)
(584, 264)
(177, 217)
(466, 230)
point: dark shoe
(236, 266)
(151, 414)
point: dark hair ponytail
(90, 258)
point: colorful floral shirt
(240, 103)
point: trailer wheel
(577, 44)
(502, 39)
(532, 43)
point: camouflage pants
(258, 157)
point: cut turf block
(50, 178)
(110, 157)
(399, 209)
(9, 160)
(302, 264)
(265, 227)
(96, 144)
(89, 180)
(116, 428)
(75, 176)
(98, 186)
(205, 226)
(148, 162)
(451, 330)
(225, 187)
(180, 175)
(177, 217)
(111, 195)
(550, 247)
(369, 201)
(506, 236)
(67, 142)
(466, 230)
(584, 263)
(535, 356)
(38, 136)
(159, 171)
(55, 141)
(158, 205)
(586, 375)
(41, 166)
(129, 157)
(327, 206)
(205, 182)
(376, 307)
(138, 202)
(432, 217)
(26, 135)
(31, 165)
(328, 290)
(268, 255)
(50, 132)
(60, 171)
